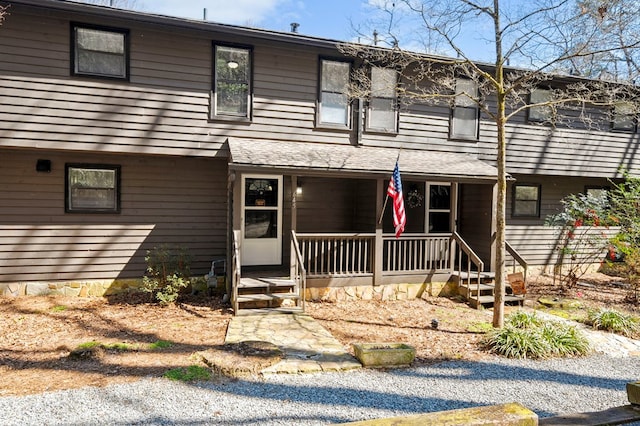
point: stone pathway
(308, 347)
(604, 342)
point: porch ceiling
(307, 158)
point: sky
(334, 19)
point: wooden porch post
(494, 226)
(235, 219)
(378, 243)
(294, 223)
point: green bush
(528, 336)
(611, 320)
(168, 273)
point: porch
(317, 213)
(367, 267)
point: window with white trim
(100, 52)
(232, 82)
(334, 108)
(438, 207)
(464, 116)
(92, 188)
(526, 200)
(382, 110)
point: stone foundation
(96, 288)
(381, 292)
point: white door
(261, 220)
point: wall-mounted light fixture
(299, 189)
(43, 166)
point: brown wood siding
(164, 107)
(175, 201)
(535, 241)
(474, 222)
(542, 150)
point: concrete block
(633, 392)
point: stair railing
(235, 270)
(472, 257)
(298, 271)
(517, 257)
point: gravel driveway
(547, 387)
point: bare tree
(539, 39)
(4, 11)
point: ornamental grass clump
(614, 321)
(528, 336)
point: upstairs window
(382, 111)
(92, 188)
(334, 108)
(232, 82)
(526, 200)
(100, 52)
(540, 113)
(464, 116)
(624, 119)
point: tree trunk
(498, 301)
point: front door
(261, 220)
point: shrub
(168, 272)
(611, 320)
(528, 336)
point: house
(122, 131)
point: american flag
(395, 192)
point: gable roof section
(308, 158)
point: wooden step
(474, 287)
(473, 275)
(489, 299)
(271, 311)
(261, 297)
(263, 283)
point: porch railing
(517, 257)
(235, 269)
(416, 252)
(298, 271)
(326, 255)
(471, 258)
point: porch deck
(366, 260)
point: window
(100, 52)
(92, 188)
(464, 117)
(382, 112)
(334, 107)
(232, 82)
(526, 200)
(599, 192)
(624, 119)
(541, 113)
(439, 208)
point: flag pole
(384, 206)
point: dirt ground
(137, 339)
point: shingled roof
(307, 158)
